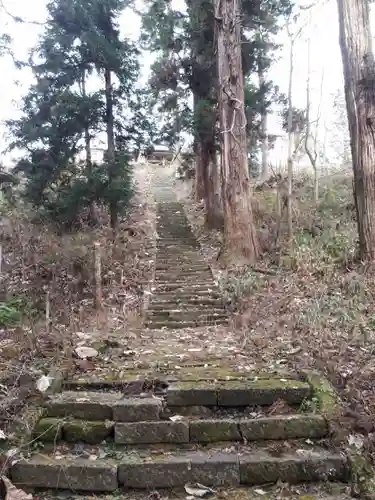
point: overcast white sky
(323, 31)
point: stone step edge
(211, 469)
(274, 428)
(238, 393)
(229, 393)
(151, 380)
(176, 325)
(181, 314)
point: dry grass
(37, 262)
(314, 305)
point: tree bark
(359, 77)
(93, 219)
(111, 157)
(263, 128)
(311, 153)
(214, 213)
(199, 187)
(240, 245)
(290, 144)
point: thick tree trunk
(358, 65)
(200, 191)
(240, 245)
(111, 157)
(263, 129)
(214, 213)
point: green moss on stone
(363, 476)
(328, 402)
(263, 383)
(91, 432)
(48, 429)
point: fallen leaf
(84, 364)
(259, 491)
(13, 493)
(176, 418)
(2, 434)
(356, 441)
(198, 490)
(43, 383)
(86, 352)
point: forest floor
(311, 307)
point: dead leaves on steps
(11, 492)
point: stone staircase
(220, 433)
(185, 293)
(189, 417)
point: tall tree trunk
(200, 188)
(290, 144)
(240, 245)
(111, 157)
(93, 219)
(214, 213)
(358, 65)
(311, 152)
(263, 128)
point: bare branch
(18, 19)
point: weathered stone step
(209, 282)
(307, 491)
(182, 294)
(173, 275)
(170, 272)
(182, 269)
(192, 289)
(191, 277)
(169, 307)
(212, 468)
(103, 406)
(167, 301)
(176, 253)
(187, 431)
(233, 393)
(185, 315)
(179, 244)
(176, 325)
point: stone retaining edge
(22, 435)
(329, 404)
(212, 470)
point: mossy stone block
(48, 429)
(91, 432)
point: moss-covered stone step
(165, 301)
(195, 431)
(72, 431)
(307, 491)
(262, 392)
(175, 325)
(138, 380)
(169, 307)
(182, 314)
(192, 289)
(103, 406)
(182, 269)
(182, 293)
(212, 468)
(183, 278)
